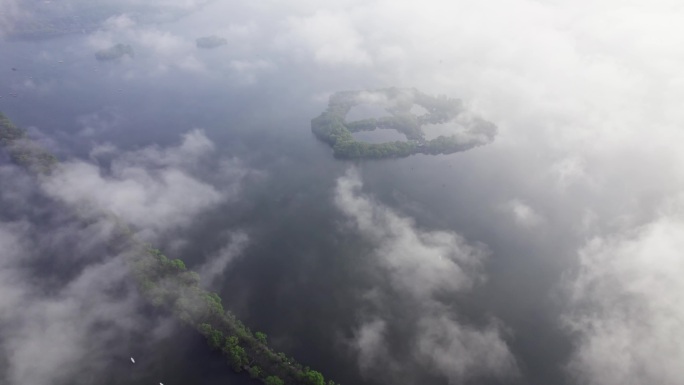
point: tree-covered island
(332, 127)
(114, 52)
(170, 286)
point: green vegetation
(24, 151)
(274, 380)
(313, 377)
(114, 52)
(332, 128)
(261, 337)
(167, 283)
(210, 41)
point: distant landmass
(49, 19)
(114, 52)
(212, 41)
(332, 127)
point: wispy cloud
(56, 330)
(153, 189)
(522, 214)
(67, 300)
(625, 305)
(422, 266)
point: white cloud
(57, 334)
(50, 336)
(119, 22)
(626, 306)
(421, 265)
(162, 42)
(216, 265)
(369, 342)
(100, 122)
(568, 171)
(587, 98)
(330, 37)
(460, 351)
(12, 12)
(138, 196)
(522, 214)
(156, 51)
(154, 189)
(248, 71)
(78, 319)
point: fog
(549, 255)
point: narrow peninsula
(167, 284)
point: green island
(210, 41)
(167, 284)
(114, 52)
(332, 128)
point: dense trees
(313, 377)
(254, 371)
(214, 337)
(332, 128)
(261, 337)
(236, 353)
(273, 380)
(168, 284)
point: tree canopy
(332, 128)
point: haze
(550, 255)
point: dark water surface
(301, 279)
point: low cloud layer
(69, 308)
(626, 305)
(57, 329)
(212, 270)
(422, 266)
(587, 98)
(522, 214)
(153, 189)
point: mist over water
(548, 256)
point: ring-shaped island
(333, 128)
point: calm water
(302, 278)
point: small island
(332, 128)
(212, 41)
(114, 52)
